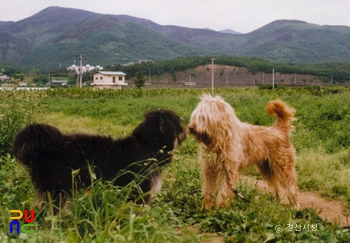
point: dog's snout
(191, 127)
(182, 136)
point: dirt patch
(231, 76)
(330, 210)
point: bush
(17, 109)
(269, 87)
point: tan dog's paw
(207, 203)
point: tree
(17, 78)
(41, 79)
(139, 80)
(32, 72)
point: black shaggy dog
(51, 156)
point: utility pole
(81, 70)
(332, 78)
(263, 78)
(149, 76)
(273, 79)
(212, 76)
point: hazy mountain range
(54, 36)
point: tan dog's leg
(275, 175)
(209, 174)
(268, 173)
(229, 172)
(289, 182)
(286, 176)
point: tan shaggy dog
(229, 145)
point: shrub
(17, 109)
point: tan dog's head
(212, 119)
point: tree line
(338, 72)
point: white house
(109, 80)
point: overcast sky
(239, 15)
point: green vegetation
(102, 214)
(121, 43)
(297, 41)
(327, 72)
(17, 109)
(15, 73)
(139, 80)
(45, 40)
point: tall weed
(101, 213)
(17, 109)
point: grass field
(102, 214)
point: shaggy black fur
(52, 156)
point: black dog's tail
(35, 139)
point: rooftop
(111, 73)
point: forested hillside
(53, 37)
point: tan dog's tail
(284, 113)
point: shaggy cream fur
(229, 145)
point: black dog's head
(162, 128)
